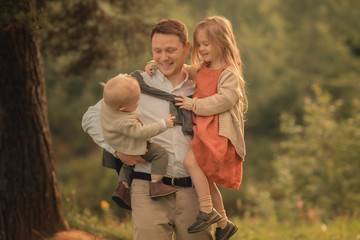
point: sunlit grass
(341, 228)
(105, 224)
(86, 188)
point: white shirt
(152, 109)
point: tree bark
(30, 202)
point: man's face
(169, 54)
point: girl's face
(207, 50)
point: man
(159, 219)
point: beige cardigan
(125, 131)
(226, 103)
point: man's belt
(175, 182)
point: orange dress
(215, 154)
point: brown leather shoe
(122, 196)
(159, 189)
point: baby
(124, 130)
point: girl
(218, 104)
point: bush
(85, 183)
(318, 164)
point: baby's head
(122, 93)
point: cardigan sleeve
(227, 96)
(135, 129)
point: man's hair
(171, 26)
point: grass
(341, 228)
(84, 182)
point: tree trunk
(30, 202)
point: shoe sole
(212, 221)
(163, 195)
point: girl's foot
(227, 232)
(204, 220)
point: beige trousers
(159, 219)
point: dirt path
(74, 234)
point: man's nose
(164, 56)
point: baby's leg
(125, 175)
(158, 157)
(122, 193)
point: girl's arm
(228, 95)
(192, 71)
(150, 68)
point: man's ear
(187, 46)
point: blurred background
(302, 69)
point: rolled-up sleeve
(91, 124)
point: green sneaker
(227, 232)
(204, 220)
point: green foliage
(21, 14)
(313, 31)
(286, 46)
(104, 224)
(318, 163)
(80, 41)
(97, 34)
(250, 200)
(85, 183)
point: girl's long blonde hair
(220, 33)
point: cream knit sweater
(125, 131)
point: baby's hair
(120, 91)
(220, 33)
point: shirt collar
(159, 75)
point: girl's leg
(218, 204)
(200, 182)
(225, 228)
(207, 214)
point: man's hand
(130, 160)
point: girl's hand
(181, 101)
(150, 68)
